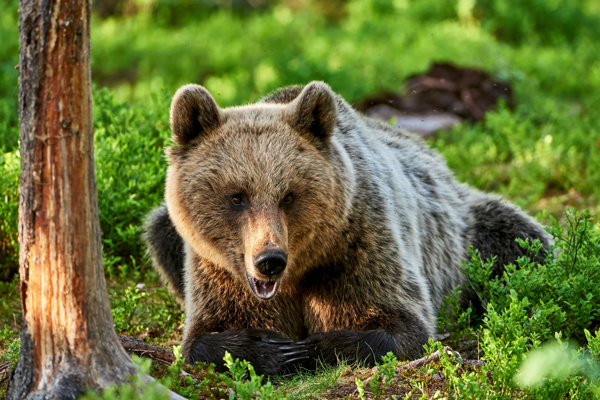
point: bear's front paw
(303, 354)
(293, 354)
(273, 353)
(269, 352)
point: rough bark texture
(67, 339)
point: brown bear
(296, 229)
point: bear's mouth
(264, 289)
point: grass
(544, 155)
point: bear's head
(261, 190)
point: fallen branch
(436, 357)
(142, 349)
(5, 368)
(475, 363)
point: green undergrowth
(543, 154)
(129, 143)
(10, 322)
(200, 381)
(536, 313)
(147, 311)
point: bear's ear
(194, 112)
(313, 111)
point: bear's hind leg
(496, 224)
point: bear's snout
(271, 263)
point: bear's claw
(279, 341)
(293, 353)
(291, 347)
(293, 360)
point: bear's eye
(238, 199)
(288, 199)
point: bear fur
(297, 229)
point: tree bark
(67, 339)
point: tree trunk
(67, 339)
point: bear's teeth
(264, 289)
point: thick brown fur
(370, 222)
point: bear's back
(407, 193)
(413, 188)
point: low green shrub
(204, 382)
(542, 21)
(529, 310)
(561, 295)
(251, 387)
(384, 374)
(559, 368)
(9, 210)
(136, 309)
(130, 170)
(9, 58)
(138, 388)
(241, 379)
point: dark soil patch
(466, 92)
(442, 97)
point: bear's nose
(271, 264)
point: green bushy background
(544, 154)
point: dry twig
(5, 368)
(142, 349)
(436, 357)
